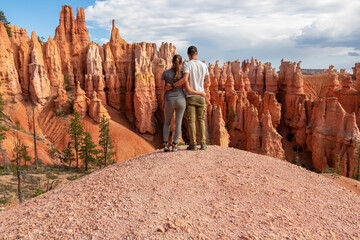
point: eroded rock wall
(249, 105)
(323, 126)
(9, 77)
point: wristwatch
(172, 85)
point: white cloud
(334, 34)
(239, 29)
(104, 40)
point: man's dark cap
(192, 49)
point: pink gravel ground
(220, 193)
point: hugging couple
(184, 93)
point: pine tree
(6, 23)
(105, 142)
(357, 174)
(88, 150)
(68, 155)
(3, 128)
(76, 132)
(24, 154)
(41, 40)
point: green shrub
(51, 176)
(357, 166)
(230, 117)
(68, 88)
(53, 151)
(356, 176)
(5, 199)
(72, 178)
(38, 192)
(328, 169)
(68, 81)
(60, 113)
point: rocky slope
(312, 120)
(221, 193)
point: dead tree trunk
(17, 160)
(35, 149)
(19, 179)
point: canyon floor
(220, 193)
(34, 182)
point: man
(195, 72)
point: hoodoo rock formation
(94, 79)
(57, 76)
(96, 109)
(249, 105)
(81, 102)
(324, 128)
(8, 72)
(39, 83)
(72, 38)
(53, 62)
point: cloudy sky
(319, 33)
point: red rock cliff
(249, 105)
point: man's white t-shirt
(197, 71)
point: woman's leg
(179, 113)
(168, 114)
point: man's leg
(200, 114)
(190, 113)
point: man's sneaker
(191, 147)
(203, 146)
(166, 148)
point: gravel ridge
(220, 193)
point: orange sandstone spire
(115, 35)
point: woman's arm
(191, 91)
(163, 92)
(178, 83)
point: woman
(175, 102)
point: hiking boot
(191, 147)
(166, 148)
(174, 147)
(203, 146)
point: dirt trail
(221, 193)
